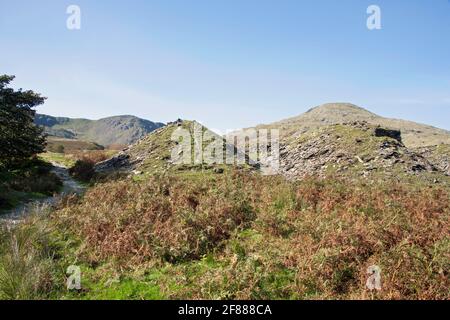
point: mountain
(344, 139)
(413, 134)
(122, 130)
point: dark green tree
(20, 138)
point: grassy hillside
(113, 130)
(153, 153)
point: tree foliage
(20, 138)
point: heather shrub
(164, 217)
(83, 170)
(94, 156)
(242, 236)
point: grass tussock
(242, 236)
(28, 255)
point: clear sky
(230, 63)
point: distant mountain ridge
(125, 129)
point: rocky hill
(344, 139)
(413, 134)
(315, 144)
(352, 149)
(149, 153)
(122, 130)
(153, 153)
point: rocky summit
(413, 134)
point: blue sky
(230, 63)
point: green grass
(101, 285)
(68, 160)
(59, 158)
(29, 268)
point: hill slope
(107, 131)
(413, 134)
(155, 152)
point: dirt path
(70, 186)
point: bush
(31, 176)
(83, 170)
(94, 156)
(59, 148)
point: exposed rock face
(439, 156)
(355, 148)
(118, 162)
(394, 134)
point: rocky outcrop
(439, 156)
(394, 134)
(118, 162)
(353, 148)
